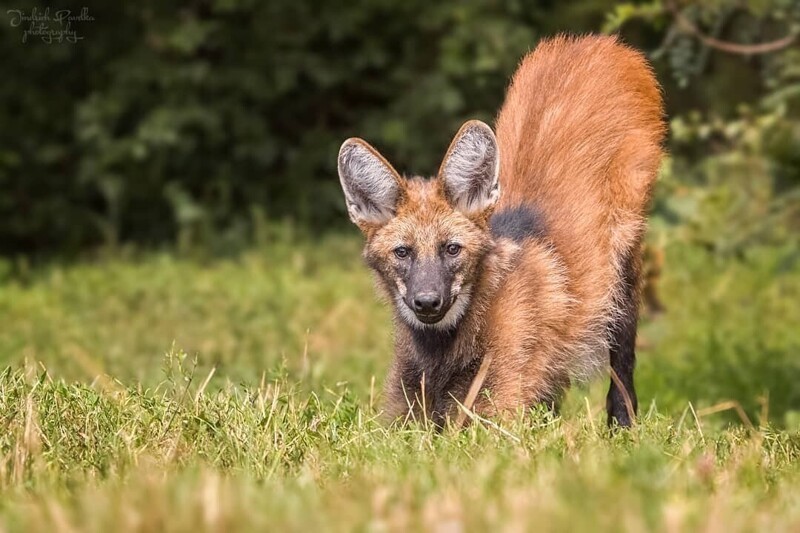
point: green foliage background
(197, 122)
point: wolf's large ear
(371, 186)
(470, 169)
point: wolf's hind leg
(621, 402)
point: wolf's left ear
(470, 169)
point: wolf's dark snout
(427, 303)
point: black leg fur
(623, 344)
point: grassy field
(149, 392)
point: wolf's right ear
(371, 186)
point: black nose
(427, 303)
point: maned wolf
(516, 269)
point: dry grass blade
(477, 418)
(205, 383)
(625, 396)
(727, 406)
(474, 389)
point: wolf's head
(425, 238)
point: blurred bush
(198, 121)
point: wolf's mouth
(430, 319)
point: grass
(157, 393)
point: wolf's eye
(453, 249)
(402, 252)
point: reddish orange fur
(580, 137)
(580, 134)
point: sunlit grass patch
(180, 456)
(168, 393)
